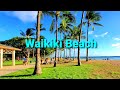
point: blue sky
(107, 37)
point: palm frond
(52, 25)
(98, 24)
(22, 33)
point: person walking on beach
(107, 58)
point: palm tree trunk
(60, 50)
(74, 54)
(37, 69)
(33, 53)
(79, 62)
(58, 54)
(56, 38)
(44, 55)
(28, 54)
(70, 53)
(66, 52)
(87, 41)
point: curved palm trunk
(37, 69)
(56, 38)
(79, 62)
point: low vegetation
(88, 70)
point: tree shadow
(75, 65)
(18, 75)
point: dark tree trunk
(60, 50)
(56, 39)
(70, 53)
(64, 50)
(37, 69)
(87, 44)
(79, 62)
(74, 54)
(33, 53)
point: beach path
(9, 69)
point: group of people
(25, 61)
(46, 61)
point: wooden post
(13, 58)
(1, 58)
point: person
(18, 58)
(51, 61)
(107, 59)
(41, 60)
(25, 61)
(46, 60)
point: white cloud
(117, 39)
(117, 45)
(25, 16)
(102, 35)
(90, 32)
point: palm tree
(29, 32)
(66, 26)
(92, 18)
(62, 15)
(41, 37)
(80, 32)
(37, 69)
(74, 35)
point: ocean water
(101, 57)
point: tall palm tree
(61, 15)
(41, 37)
(57, 14)
(92, 18)
(74, 35)
(65, 27)
(80, 32)
(37, 69)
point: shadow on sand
(18, 75)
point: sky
(107, 37)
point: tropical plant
(29, 32)
(40, 14)
(92, 18)
(80, 33)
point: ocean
(101, 57)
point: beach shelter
(7, 49)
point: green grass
(60, 72)
(88, 70)
(9, 63)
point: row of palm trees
(67, 29)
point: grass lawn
(9, 63)
(88, 70)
